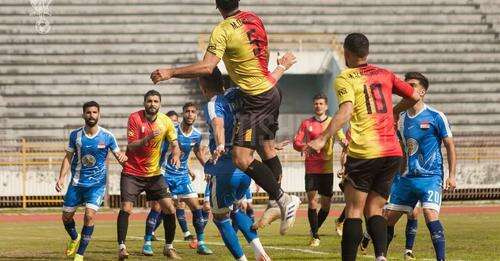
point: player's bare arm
(176, 154)
(281, 145)
(451, 182)
(218, 127)
(198, 152)
(204, 67)
(284, 63)
(341, 117)
(405, 104)
(120, 157)
(63, 172)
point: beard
(151, 111)
(91, 122)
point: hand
(451, 184)
(281, 145)
(159, 75)
(287, 60)
(59, 185)
(121, 157)
(176, 161)
(316, 145)
(192, 175)
(207, 177)
(218, 152)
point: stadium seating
(105, 50)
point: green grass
(469, 237)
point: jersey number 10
(375, 94)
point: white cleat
(288, 212)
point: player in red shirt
(318, 166)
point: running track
(111, 215)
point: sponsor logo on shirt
(425, 125)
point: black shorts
(372, 174)
(323, 183)
(132, 186)
(257, 120)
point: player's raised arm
(284, 63)
(198, 152)
(410, 96)
(218, 127)
(63, 172)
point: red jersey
(310, 129)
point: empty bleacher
(105, 50)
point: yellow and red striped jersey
(241, 42)
(370, 89)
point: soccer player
(240, 40)
(173, 116)
(147, 131)
(318, 166)
(179, 182)
(423, 130)
(364, 93)
(86, 156)
(228, 183)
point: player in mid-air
(228, 183)
(179, 181)
(364, 93)
(240, 40)
(86, 156)
(318, 166)
(423, 130)
(147, 131)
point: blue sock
(71, 229)
(229, 237)
(86, 236)
(181, 218)
(251, 214)
(233, 218)
(199, 225)
(411, 233)
(438, 240)
(150, 225)
(205, 216)
(245, 225)
(158, 220)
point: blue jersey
(422, 136)
(88, 166)
(187, 141)
(220, 107)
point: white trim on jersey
(211, 108)
(445, 120)
(93, 136)
(79, 145)
(418, 113)
(114, 139)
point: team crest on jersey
(412, 145)
(88, 161)
(310, 128)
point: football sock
(181, 218)
(71, 229)
(169, 227)
(229, 237)
(86, 236)
(438, 239)
(351, 237)
(411, 233)
(322, 215)
(312, 215)
(150, 225)
(264, 177)
(199, 225)
(122, 226)
(377, 228)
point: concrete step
(179, 39)
(477, 119)
(69, 68)
(461, 87)
(467, 108)
(103, 49)
(463, 97)
(435, 58)
(82, 79)
(458, 77)
(442, 67)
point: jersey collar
(93, 136)
(418, 113)
(185, 134)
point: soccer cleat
(171, 253)
(339, 226)
(314, 242)
(122, 254)
(73, 246)
(204, 250)
(364, 245)
(409, 255)
(193, 242)
(271, 214)
(147, 250)
(78, 257)
(288, 213)
(263, 257)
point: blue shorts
(228, 185)
(180, 186)
(248, 195)
(406, 192)
(91, 197)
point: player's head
(418, 81)
(356, 49)
(212, 84)
(227, 6)
(320, 103)
(152, 102)
(173, 116)
(91, 113)
(189, 113)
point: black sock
(312, 215)
(169, 226)
(274, 165)
(351, 237)
(377, 228)
(390, 235)
(322, 215)
(342, 216)
(264, 178)
(122, 226)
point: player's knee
(430, 215)
(67, 216)
(88, 219)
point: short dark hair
(189, 104)
(152, 93)
(91, 104)
(419, 77)
(214, 81)
(172, 113)
(320, 96)
(358, 44)
(227, 5)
